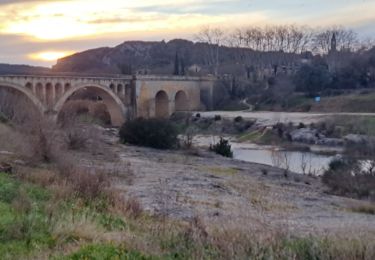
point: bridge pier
(171, 107)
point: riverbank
(187, 204)
(270, 118)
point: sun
(50, 55)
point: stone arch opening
(67, 87)
(128, 94)
(112, 87)
(161, 104)
(49, 94)
(29, 86)
(58, 90)
(120, 90)
(39, 89)
(18, 103)
(181, 101)
(95, 100)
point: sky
(38, 32)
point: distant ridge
(158, 57)
(22, 69)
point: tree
(176, 65)
(346, 39)
(214, 37)
(312, 78)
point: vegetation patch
(105, 251)
(349, 177)
(24, 222)
(222, 171)
(364, 125)
(223, 148)
(155, 133)
(364, 208)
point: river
(295, 161)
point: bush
(238, 119)
(350, 178)
(3, 118)
(155, 133)
(223, 148)
(76, 138)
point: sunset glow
(50, 55)
(81, 24)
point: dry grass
(83, 208)
(364, 208)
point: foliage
(23, 219)
(155, 133)
(312, 78)
(349, 177)
(105, 251)
(217, 117)
(222, 147)
(238, 119)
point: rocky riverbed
(186, 184)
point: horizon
(29, 35)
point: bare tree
(214, 37)
(303, 162)
(346, 39)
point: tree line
(284, 38)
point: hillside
(22, 69)
(160, 58)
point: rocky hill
(160, 58)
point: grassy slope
(346, 103)
(354, 102)
(34, 223)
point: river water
(295, 161)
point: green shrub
(156, 133)
(3, 118)
(105, 252)
(8, 189)
(223, 148)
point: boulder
(331, 142)
(356, 139)
(305, 135)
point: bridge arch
(113, 103)
(161, 104)
(25, 91)
(181, 101)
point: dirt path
(270, 118)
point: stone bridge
(125, 97)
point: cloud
(35, 26)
